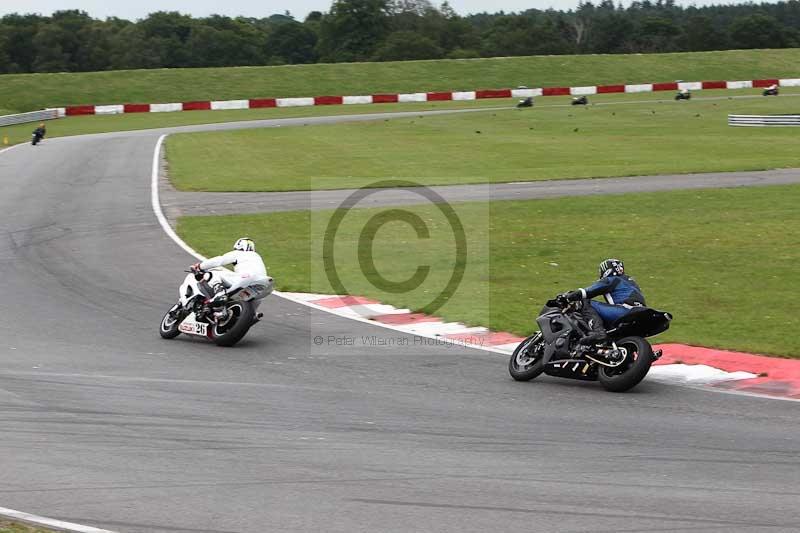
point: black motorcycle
(770, 91)
(527, 102)
(683, 95)
(619, 363)
(38, 135)
(580, 100)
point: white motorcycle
(204, 309)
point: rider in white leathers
(248, 267)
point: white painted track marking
(156, 202)
(52, 523)
(4, 150)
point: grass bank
(635, 136)
(7, 526)
(720, 260)
(25, 92)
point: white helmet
(245, 244)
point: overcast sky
(262, 8)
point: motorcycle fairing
(191, 326)
(556, 330)
(641, 322)
(252, 292)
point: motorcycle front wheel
(638, 358)
(527, 361)
(170, 322)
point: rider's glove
(574, 296)
(195, 268)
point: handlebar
(199, 274)
(562, 303)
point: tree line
(384, 30)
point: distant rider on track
(39, 133)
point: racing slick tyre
(170, 322)
(638, 358)
(527, 361)
(231, 330)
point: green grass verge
(7, 526)
(546, 142)
(26, 92)
(140, 121)
(723, 261)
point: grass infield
(26, 92)
(639, 136)
(722, 261)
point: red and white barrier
(417, 97)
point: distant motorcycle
(772, 90)
(205, 310)
(527, 102)
(580, 100)
(619, 364)
(683, 94)
(38, 135)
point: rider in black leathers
(41, 131)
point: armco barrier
(763, 120)
(33, 116)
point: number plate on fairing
(191, 326)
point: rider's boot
(595, 337)
(219, 297)
(588, 341)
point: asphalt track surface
(104, 423)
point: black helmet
(611, 267)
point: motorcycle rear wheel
(236, 326)
(527, 361)
(637, 363)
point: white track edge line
(156, 202)
(49, 522)
(8, 149)
(735, 392)
(162, 220)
